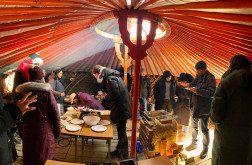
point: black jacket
(144, 87)
(159, 93)
(202, 99)
(182, 106)
(9, 116)
(117, 95)
(231, 114)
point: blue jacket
(59, 87)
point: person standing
(203, 88)
(182, 106)
(144, 91)
(85, 99)
(58, 87)
(21, 74)
(41, 127)
(10, 115)
(231, 114)
(120, 104)
(164, 91)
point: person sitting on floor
(84, 99)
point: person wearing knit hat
(201, 65)
(21, 74)
(85, 99)
(35, 73)
(164, 91)
(203, 88)
(41, 127)
(182, 106)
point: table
(107, 135)
(74, 134)
(86, 132)
(53, 162)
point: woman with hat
(182, 106)
(41, 127)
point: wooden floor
(97, 152)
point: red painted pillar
(136, 87)
(137, 52)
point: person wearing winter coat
(41, 127)
(21, 74)
(182, 106)
(10, 115)
(203, 88)
(58, 87)
(164, 91)
(120, 103)
(231, 113)
(85, 99)
(144, 91)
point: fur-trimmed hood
(29, 86)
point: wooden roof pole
(137, 52)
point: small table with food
(102, 131)
(94, 128)
(72, 127)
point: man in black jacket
(144, 91)
(10, 114)
(203, 88)
(164, 91)
(116, 93)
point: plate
(66, 118)
(73, 127)
(99, 128)
(64, 123)
(77, 121)
(104, 122)
(71, 109)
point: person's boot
(115, 154)
(191, 147)
(203, 153)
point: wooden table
(74, 134)
(53, 162)
(107, 135)
(86, 132)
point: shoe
(203, 153)
(191, 147)
(114, 154)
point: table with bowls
(88, 128)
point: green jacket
(9, 116)
(231, 113)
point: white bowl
(91, 120)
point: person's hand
(172, 112)
(103, 95)
(62, 94)
(193, 89)
(24, 103)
